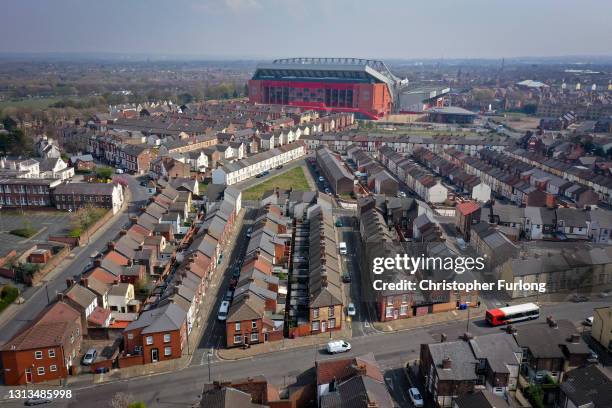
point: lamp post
(467, 326)
(208, 355)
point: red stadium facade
(364, 87)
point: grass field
(32, 103)
(293, 178)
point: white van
(119, 171)
(342, 247)
(223, 310)
(338, 346)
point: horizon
(268, 29)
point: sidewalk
(429, 320)
(286, 344)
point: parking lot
(46, 222)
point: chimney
(447, 363)
(69, 282)
(130, 262)
(122, 232)
(60, 297)
(85, 282)
(443, 337)
(575, 338)
(133, 219)
(97, 263)
(324, 280)
(111, 246)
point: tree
(9, 124)
(185, 98)
(104, 172)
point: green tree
(9, 123)
(104, 172)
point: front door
(154, 355)
(323, 326)
(28, 375)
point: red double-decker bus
(512, 314)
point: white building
(481, 192)
(232, 173)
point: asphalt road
(392, 351)
(36, 297)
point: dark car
(279, 167)
(346, 278)
(37, 401)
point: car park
(223, 310)
(415, 397)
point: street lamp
(467, 326)
(209, 355)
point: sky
(265, 29)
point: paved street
(14, 318)
(391, 350)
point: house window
(237, 339)
(254, 337)
(237, 326)
(254, 324)
(403, 310)
(130, 336)
(332, 323)
(51, 353)
(389, 312)
(53, 368)
(331, 311)
(149, 340)
(167, 338)
(389, 300)
(40, 370)
(167, 351)
(315, 313)
(315, 326)
(38, 355)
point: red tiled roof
(117, 258)
(341, 369)
(102, 275)
(468, 207)
(99, 316)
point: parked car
(401, 194)
(579, 298)
(338, 346)
(327, 190)
(90, 356)
(593, 358)
(346, 278)
(343, 249)
(229, 295)
(588, 321)
(223, 310)
(119, 171)
(258, 175)
(416, 397)
(37, 401)
(321, 179)
(338, 222)
(265, 173)
(461, 244)
(280, 166)
(249, 232)
(350, 310)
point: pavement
(16, 316)
(391, 350)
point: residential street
(392, 350)
(14, 318)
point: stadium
(362, 86)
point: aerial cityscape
(295, 204)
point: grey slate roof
(463, 365)
(162, 319)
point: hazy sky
(281, 28)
